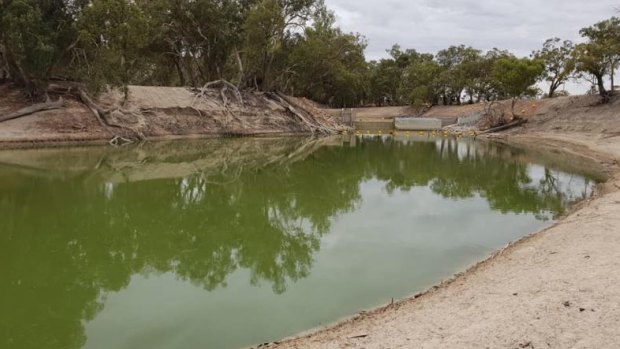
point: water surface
(233, 242)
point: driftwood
(507, 126)
(35, 108)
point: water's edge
(605, 169)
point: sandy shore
(558, 288)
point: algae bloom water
(234, 242)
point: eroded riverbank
(557, 288)
(158, 113)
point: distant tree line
(292, 46)
(461, 74)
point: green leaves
(115, 35)
(559, 62)
(600, 55)
(327, 65)
(33, 38)
(289, 45)
(514, 75)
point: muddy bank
(155, 113)
(558, 288)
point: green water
(234, 242)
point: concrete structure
(417, 124)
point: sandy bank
(156, 113)
(558, 288)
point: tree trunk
(240, 64)
(33, 109)
(601, 88)
(552, 89)
(179, 71)
(612, 79)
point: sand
(558, 288)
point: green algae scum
(233, 242)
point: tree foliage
(558, 58)
(599, 57)
(293, 46)
(515, 76)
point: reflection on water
(225, 243)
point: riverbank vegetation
(291, 46)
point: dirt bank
(559, 288)
(158, 113)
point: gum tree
(558, 58)
(36, 38)
(600, 55)
(515, 77)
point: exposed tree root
(305, 117)
(35, 108)
(101, 115)
(118, 141)
(224, 87)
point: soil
(558, 288)
(154, 113)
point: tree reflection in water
(77, 224)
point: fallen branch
(509, 125)
(34, 109)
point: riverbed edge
(562, 143)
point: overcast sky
(519, 26)
(430, 25)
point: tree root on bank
(304, 116)
(118, 141)
(101, 115)
(35, 108)
(224, 86)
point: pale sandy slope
(557, 289)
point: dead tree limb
(35, 108)
(509, 125)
